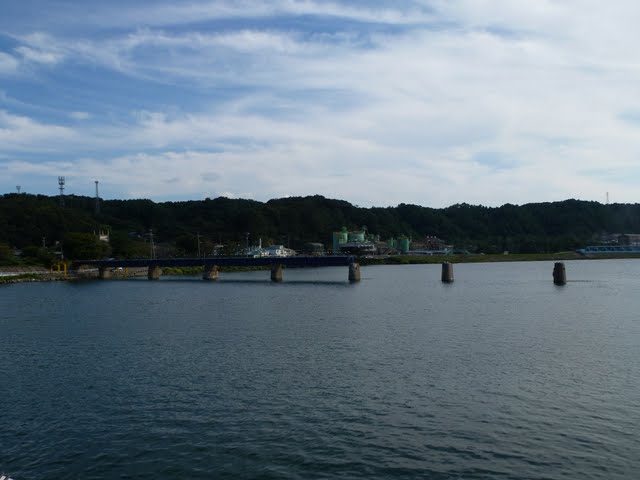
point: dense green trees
(6, 254)
(85, 245)
(30, 220)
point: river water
(499, 375)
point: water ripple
(499, 376)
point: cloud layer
(433, 103)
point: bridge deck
(296, 261)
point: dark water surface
(499, 375)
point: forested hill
(537, 227)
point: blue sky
(432, 102)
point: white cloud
(8, 64)
(177, 14)
(23, 134)
(39, 56)
(380, 116)
(80, 115)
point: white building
(270, 251)
(277, 251)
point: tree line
(38, 224)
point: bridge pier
(276, 272)
(447, 272)
(354, 272)
(211, 273)
(154, 273)
(559, 274)
(104, 273)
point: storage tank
(356, 236)
(391, 243)
(339, 238)
(403, 244)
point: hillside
(532, 228)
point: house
(277, 251)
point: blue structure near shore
(600, 249)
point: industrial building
(360, 242)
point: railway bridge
(212, 264)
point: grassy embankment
(25, 277)
(30, 277)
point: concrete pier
(447, 272)
(104, 273)
(559, 274)
(154, 273)
(354, 272)
(211, 273)
(276, 272)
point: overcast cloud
(431, 102)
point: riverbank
(25, 274)
(31, 277)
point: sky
(427, 102)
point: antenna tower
(61, 187)
(97, 208)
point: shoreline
(30, 273)
(488, 258)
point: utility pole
(151, 245)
